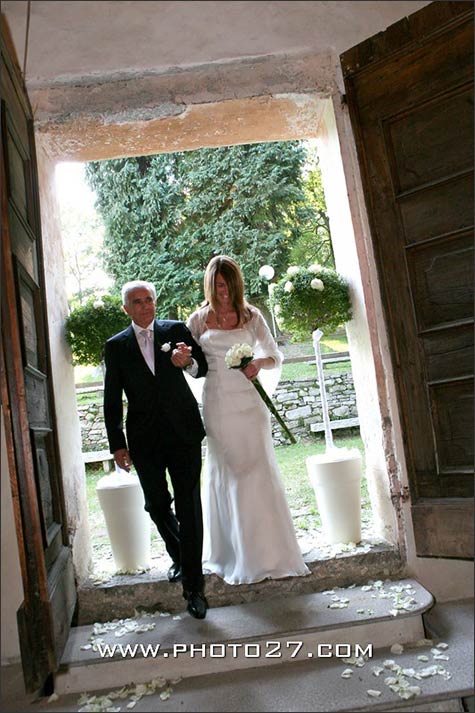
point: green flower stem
(244, 362)
(273, 409)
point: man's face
(140, 306)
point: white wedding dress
(248, 529)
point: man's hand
(181, 355)
(122, 459)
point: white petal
(424, 642)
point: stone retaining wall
(298, 402)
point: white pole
(316, 336)
(266, 272)
(271, 305)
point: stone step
(294, 629)
(120, 594)
(317, 684)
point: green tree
(82, 235)
(165, 216)
(314, 244)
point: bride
(248, 530)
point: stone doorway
(317, 116)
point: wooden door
(45, 556)
(410, 98)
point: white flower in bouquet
(271, 287)
(276, 309)
(289, 286)
(244, 351)
(315, 268)
(317, 284)
(293, 270)
(236, 354)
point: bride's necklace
(225, 318)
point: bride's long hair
(231, 273)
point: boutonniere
(166, 347)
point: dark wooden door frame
(34, 620)
(43, 629)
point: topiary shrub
(89, 326)
(309, 298)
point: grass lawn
(300, 494)
(305, 370)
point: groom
(164, 428)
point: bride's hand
(181, 355)
(252, 369)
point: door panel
(46, 562)
(437, 209)
(441, 279)
(410, 98)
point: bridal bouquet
(238, 357)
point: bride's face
(222, 292)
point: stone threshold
(365, 620)
(121, 595)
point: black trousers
(182, 533)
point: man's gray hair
(133, 285)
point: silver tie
(148, 349)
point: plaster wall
(11, 581)
(203, 107)
(130, 38)
(69, 433)
(345, 210)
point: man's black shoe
(174, 573)
(197, 604)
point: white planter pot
(336, 480)
(128, 525)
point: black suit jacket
(156, 403)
